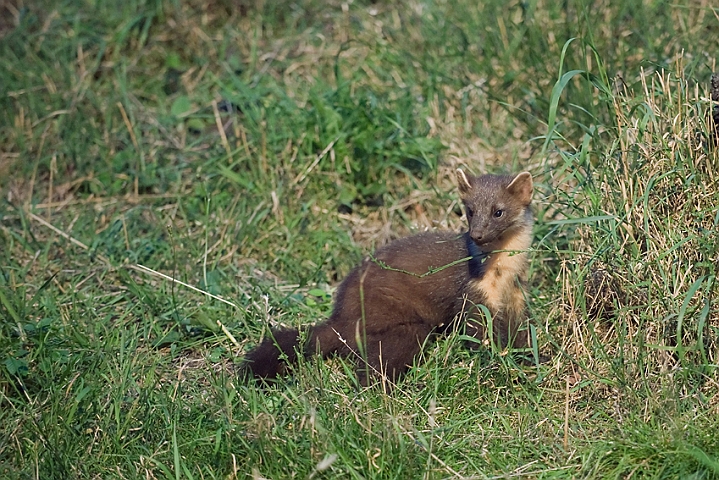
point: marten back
(387, 306)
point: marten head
(497, 206)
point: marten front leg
(475, 327)
(515, 317)
(507, 317)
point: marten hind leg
(391, 352)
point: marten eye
(498, 213)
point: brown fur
(387, 307)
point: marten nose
(477, 236)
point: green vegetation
(256, 150)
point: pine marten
(387, 306)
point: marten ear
(521, 187)
(463, 182)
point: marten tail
(272, 357)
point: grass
(256, 153)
